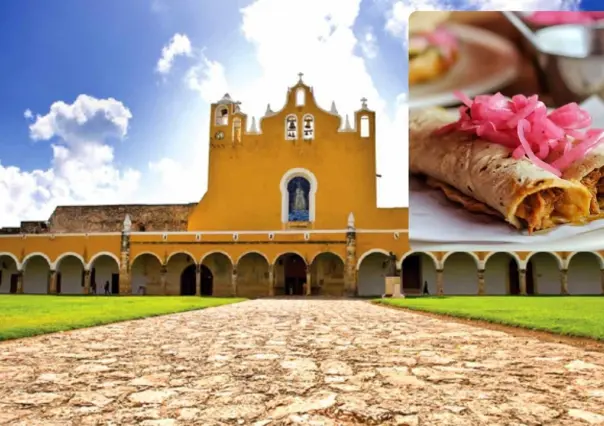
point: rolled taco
(484, 177)
(589, 171)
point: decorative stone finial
(254, 128)
(347, 126)
(300, 75)
(127, 223)
(333, 110)
(351, 221)
(269, 111)
(364, 103)
(237, 106)
(226, 99)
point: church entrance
(207, 281)
(294, 271)
(187, 281)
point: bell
(292, 125)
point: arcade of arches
(254, 275)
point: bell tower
(221, 119)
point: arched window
(298, 191)
(291, 128)
(237, 130)
(222, 115)
(300, 97)
(308, 128)
(365, 132)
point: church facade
(290, 209)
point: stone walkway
(303, 362)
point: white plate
(487, 62)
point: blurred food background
(528, 80)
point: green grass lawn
(572, 316)
(29, 315)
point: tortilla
(484, 177)
(589, 171)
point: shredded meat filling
(594, 182)
(537, 210)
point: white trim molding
(312, 179)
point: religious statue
(299, 199)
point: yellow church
(306, 223)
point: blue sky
(104, 125)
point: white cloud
(398, 14)
(82, 169)
(28, 114)
(208, 78)
(369, 44)
(179, 45)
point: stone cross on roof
(364, 103)
(300, 74)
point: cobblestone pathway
(304, 362)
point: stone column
(481, 283)
(522, 281)
(398, 289)
(197, 280)
(440, 290)
(125, 284)
(52, 285)
(163, 277)
(350, 266)
(271, 280)
(234, 283)
(602, 280)
(564, 282)
(86, 281)
(20, 282)
(308, 281)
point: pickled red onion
(552, 141)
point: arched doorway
(327, 275)
(9, 274)
(104, 269)
(252, 275)
(291, 275)
(417, 269)
(207, 281)
(221, 268)
(543, 274)
(501, 274)
(70, 275)
(373, 269)
(146, 274)
(36, 275)
(187, 281)
(460, 274)
(584, 275)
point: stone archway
(417, 269)
(9, 274)
(460, 274)
(221, 270)
(69, 275)
(543, 274)
(252, 275)
(584, 273)
(290, 275)
(36, 274)
(145, 274)
(373, 269)
(181, 266)
(327, 275)
(104, 270)
(501, 274)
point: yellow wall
(244, 177)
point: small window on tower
(222, 116)
(365, 132)
(237, 130)
(300, 97)
(291, 128)
(309, 127)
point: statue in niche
(291, 128)
(298, 189)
